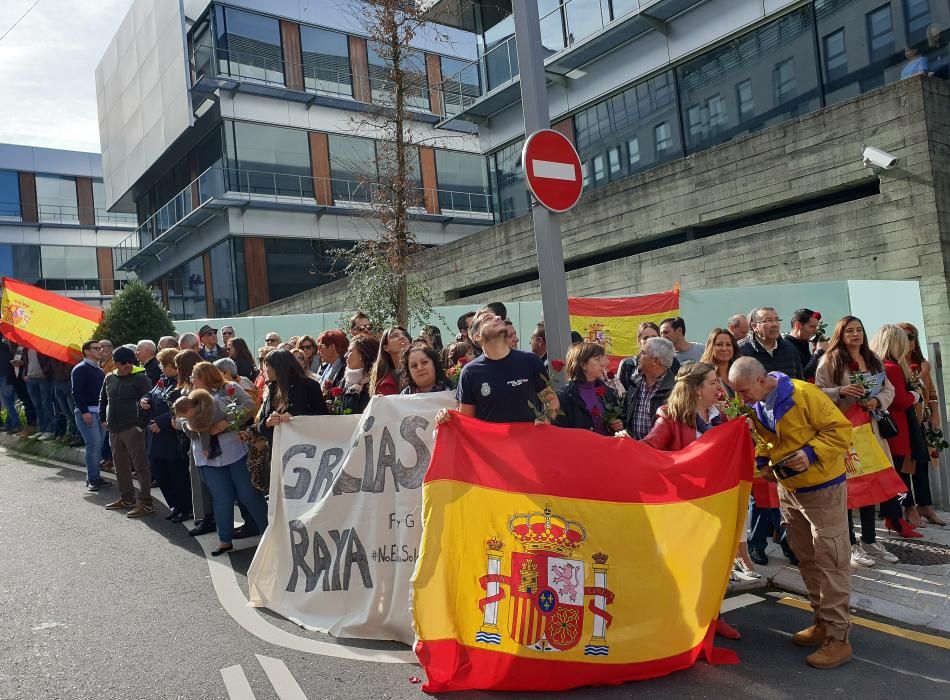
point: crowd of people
(195, 417)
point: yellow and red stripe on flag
(570, 559)
(613, 322)
(45, 321)
(871, 477)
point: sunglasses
(227, 333)
(271, 341)
(306, 347)
(911, 336)
(364, 327)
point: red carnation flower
(160, 384)
(854, 366)
(463, 361)
(815, 315)
(231, 390)
(557, 365)
(596, 412)
(601, 391)
(611, 374)
(336, 392)
(915, 368)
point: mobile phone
(782, 470)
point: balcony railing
(63, 214)
(232, 186)
(268, 70)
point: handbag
(886, 427)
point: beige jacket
(832, 388)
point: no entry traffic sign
(552, 170)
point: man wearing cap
(118, 410)
(210, 350)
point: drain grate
(918, 553)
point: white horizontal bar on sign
(554, 170)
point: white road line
(739, 601)
(236, 683)
(234, 602)
(281, 678)
(553, 170)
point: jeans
(764, 522)
(8, 400)
(226, 484)
(41, 394)
(93, 435)
(63, 403)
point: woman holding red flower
(587, 403)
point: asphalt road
(96, 606)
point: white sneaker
(877, 551)
(45, 436)
(859, 557)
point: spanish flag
(568, 559)
(45, 321)
(613, 322)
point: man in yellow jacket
(804, 442)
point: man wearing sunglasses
(210, 350)
(272, 340)
(360, 325)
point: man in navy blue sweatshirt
(86, 385)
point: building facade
(55, 229)
(246, 136)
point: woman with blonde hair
(688, 414)
(890, 344)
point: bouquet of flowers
(935, 440)
(453, 373)
(735, 408)
(821, 333)
(546, 413)
(860, 379)
(234, 413)
(335, 404)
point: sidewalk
(49, 449)
(915, 591)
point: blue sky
(47, 70)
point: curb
(45, 450)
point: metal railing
(290, 189)
(63, 214)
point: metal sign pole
(547, 225)
(943, 472)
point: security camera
(876, 158)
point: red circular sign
(552, 170)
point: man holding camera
(805, 440)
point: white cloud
(47, 70)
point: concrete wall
(900, 234)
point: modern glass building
(55, 229)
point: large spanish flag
(566, 558)
(45, 321)
(613, 322)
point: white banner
(345, 518)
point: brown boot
(833, 653)
(814, 636)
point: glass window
(613, 159)
(836, 58)
(104, 217)
(694, 121)
(586, 175)
(917, 19)
(744, 98)
(779, 55)
(223, 281)
(120, 276)
(552, 26)
(461, 86)
(186, 290)
(9, 195)
(21, 262)
(271, 160)
(509, 192)
(240, 273)
(583, 18)
(56, 198)
(880, 33)
(249, 46)
(295, 265)
(352, 168)
(598, 169)
(415, 80)
(463, 182)
(202, 60)
(501, 55)
(618, 8)
(326, 61)
(624, 118)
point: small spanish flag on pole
(613, 322)
(45, 321)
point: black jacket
(304, 398)
(153, 371)
(167, 443)
(356, 402)
(119, 400)
(785, 359)
(659, 397)
(575, 410)
(809, 361)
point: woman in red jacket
(690, 412)
(891, 345)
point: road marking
(913, 635)
(739, 601)
(236, 683)
(235, 604)
(281, 678)
(554, 170)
